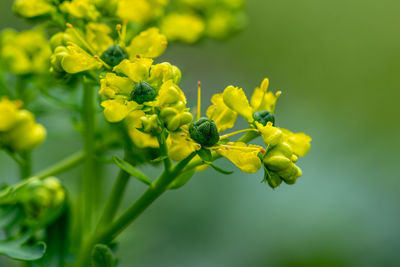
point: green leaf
(181, 180)
(8, 216)
(102, 256)
(218, 169)
(126, 166)
(18, 250)
(205, 155)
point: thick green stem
(109, 233)
(89, 184)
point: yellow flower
(33, 8)
(299, 142)
(116, 110)
(77, 60)
(186, 28)
(150, 43)
(8, 114)
(26, 52)
(222, 115)
(271, 135)
(140, 139)
(140, 11)
(18, 129)
(235, 99)
(262, 99)
(141, 85)
(180, 145)
(83, 9)
(98, 36)
(243, 156)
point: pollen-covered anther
(262, 150)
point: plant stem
(26, 166)
(88, 179)
(63, 165)
(150, 195)
(115, 199)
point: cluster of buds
(18, 129)
(41, 200)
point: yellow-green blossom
(223, 116)
(26, 52)
(186, 28)
(140, 11)
(33, 8)
(149, 43)
(180, 145)
(82, 9)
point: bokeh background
(338, 65)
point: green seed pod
(264, 117)
(114, 55)
(143, 92)
(204, 131)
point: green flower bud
(56, 59)
(273, 180)
(151, 124)
(264, 117)
(204, 131)
(114, 55)
(143, 92)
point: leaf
(102, 256)
(18, 250)
(182, 179)
(131, 170)
(218, 169)
(205, 155)
(8, 215)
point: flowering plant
(107, 51)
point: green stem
(26, 166)
(63, 165)
(150, 195)
(89, 180)
(115, 199)
(164, 151)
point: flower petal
(236, 100)
(223, 116)
(244, 157)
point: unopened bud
(143, 92)
(204, 131)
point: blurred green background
(338, 65)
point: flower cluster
(18, 129)
(26, 52)
(282, 146)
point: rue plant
(103, 56)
